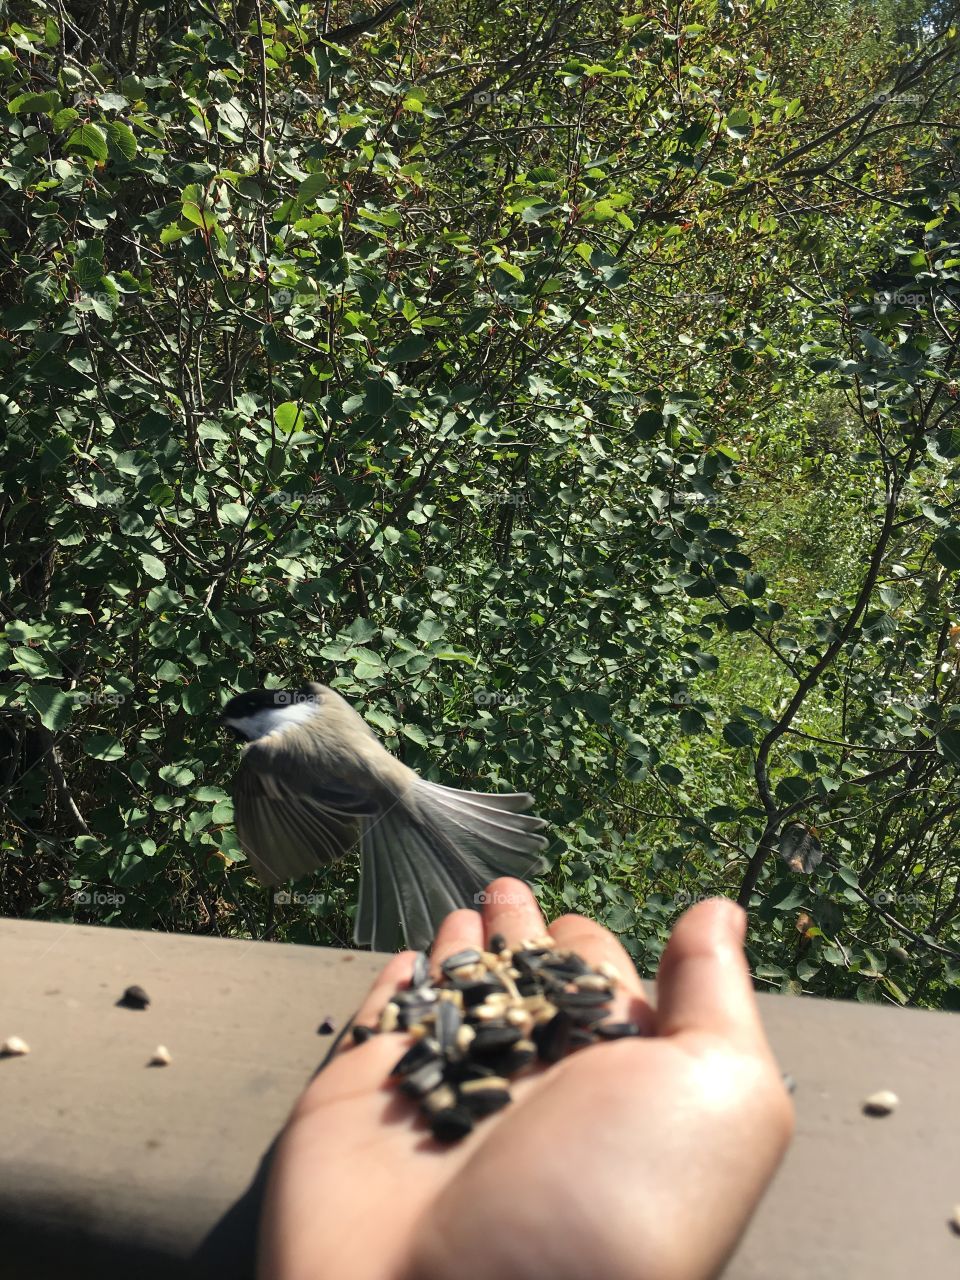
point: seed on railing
(14, 1047)
(161, 1057)
(881, 1103)
(134, 998)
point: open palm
(639, 1158)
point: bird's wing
(288, 821)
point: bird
(315, 782)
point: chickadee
(314, 782)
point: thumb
(703, 983)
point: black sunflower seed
(418, 1055)
(457, 1072)
(567, 963)
(530, 961)
(617, 1030)
(460, 960)
(498, 943)
(134, 998)
(451, 1124)
(582, 999)
(484, 1097)
(327, 1027)
(491, 1039)
(475, 993)
(580, 1037)
(413, 1013)
(551, 1038)
(509, 1061)
(362, 1033)
(424, 1079)
(448, 1023)
(421, 971)
(422, 995)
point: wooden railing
(112, 1168)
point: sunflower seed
(491, 1039)
(475, 993)
(418, 1055)
(955, 1219)
(616, 1030)
(134, 998)
(465, 1037)
(592, 982)
(161, 1057)
(580, 1037)
(565, 962)
(467, 1070)
(414, 1013)
(360, 1034)
(422, 995)
(498, 943)
(327, 1027)
(551, 1037)
(484, 1097)
(390, 1017)
(452, 1124)
(881, 1103)
(582, 999)
(448, 1024)
(512, 1060)
(421, 971)
(14, 1047)
(424, 1079)
(460, 960)
(440, 1099)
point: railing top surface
(107, 1163)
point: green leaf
(178, 775)
(233, 513)
(54, 705)
(411, 348)
(90, 139)
(153, 567)
(738, 733)
(121, 140)
(288, 417)
(102, 746)
(948, 744)
(947, 548)
(740, 618)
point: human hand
(634, 1159)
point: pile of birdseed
(490, 1015)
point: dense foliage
(575, 392)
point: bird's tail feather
(433, 852)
